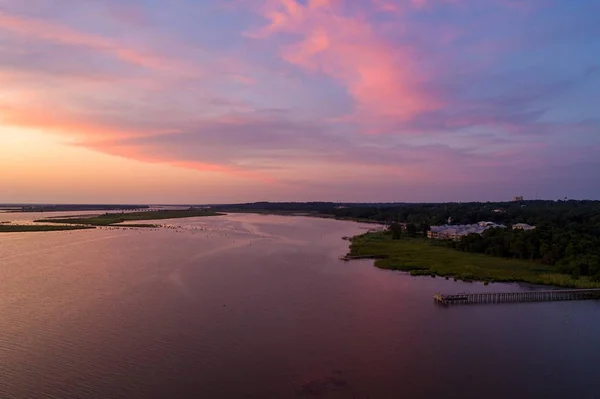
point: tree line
(570, 251)
(567, 233)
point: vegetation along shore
(18, 228)
(111, 219)
(565, 240)
(108, 219)
(419, 256)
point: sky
(218, 101)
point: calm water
(250, 306)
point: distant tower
(518, 199)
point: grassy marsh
(112, 219)
(16, 228)
(420, 257)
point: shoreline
(92, 221)
(419, 258)
(303, 214)
(114, 219)
(37, 228)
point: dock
(515, 297)
(355, 257)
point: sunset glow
(128, 101)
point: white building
(523, 226)
(455, 232)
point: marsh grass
(15, 228)
(110, 219)
(419, 257)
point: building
(522, 226)
(456, 232)
(518, 198)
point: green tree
(411, 229)
(425, 228)
(396, 230)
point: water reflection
(260, 306)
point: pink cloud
(51, 32)
(103, 137)
(387, 6)
(98, 132)
(246, 80)
(141, 154)
(129, 14)
(381, 77)
(53, 119)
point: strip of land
(16, 228)
(420, 257)
(71, 207)
(140, 225)
(112, 219)
(312, 214)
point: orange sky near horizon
(34, 163)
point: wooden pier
(355, 257)
(513, 297)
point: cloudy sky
(198, 101)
